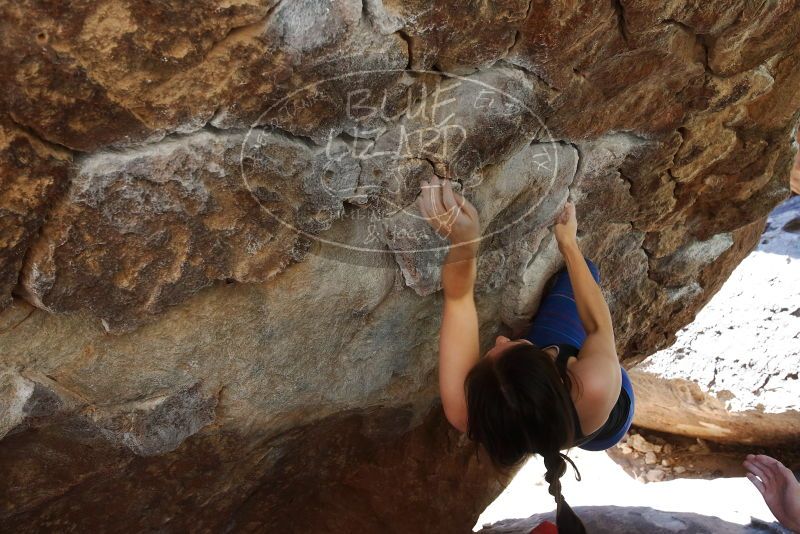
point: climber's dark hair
(518, 404)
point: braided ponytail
(519, 405)
(566, 519)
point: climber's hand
(777, 485)
(566, 228)
(450, 214)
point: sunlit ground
(606, 483)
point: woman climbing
(559, 387)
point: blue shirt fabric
(557, 323)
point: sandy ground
(731, 349)
(604, 482)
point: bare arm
(459, 346)
(459, 351)
(598, 363)
(592, 308)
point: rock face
(733, 371)
(172, 219)
(33, 175)
(220, 305)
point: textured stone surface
(32, 175)
(144, 72)
(147, 227)
(733, 371)
(227, 305)
(619, 519)
(279, 398)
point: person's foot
(778, 486)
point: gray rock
(15, 392)
(157, 425)
(202, 349)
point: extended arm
(598, 363)
(459, 347)
(592, 308)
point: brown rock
(456, 37)
(101, 74)
(703, 414)
(32, 176)
(640, 444)
(655, 475)
(361, 454)
(146, 228)
(302, 395)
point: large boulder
(733, 370)
(220, 305)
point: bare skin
(596, 367)
(778, 486)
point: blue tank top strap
(565, 352)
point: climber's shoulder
(598, 371)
